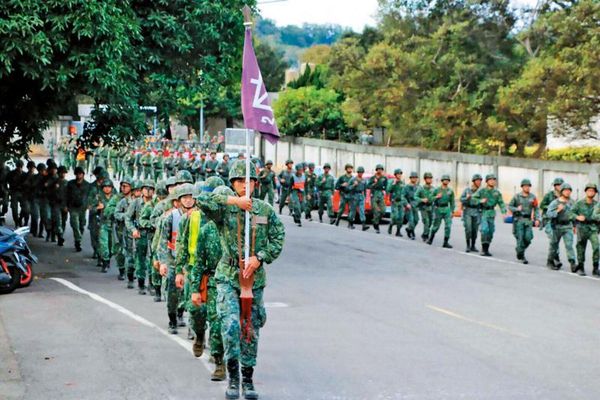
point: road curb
(11, 382)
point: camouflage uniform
(77, 201)
(309, 190)
(132, 221)
(524, 209)
(562, 228)
(159, 167)
(546, 200)
(412, 212)
(105, 220)
(443, 208)
(298, 194)
(378, 185)
(587, 230)
(326, 186)
(266, 179)
(29, 189)
(146, 162)
(488, 198)
(58, 204)
(358, 187)
(15, 179)
(122, 247)
(341, 185)
(471, 214)
(395, 189)
(285, 179)
(424, 201)
(210, 167)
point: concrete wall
(459, 166)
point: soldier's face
(445, 182)
(137, 192)
(413, 179)
(491, 182)
(349, 171)
(398, 176)
(566, 193)
(590, 193)
(477, 182)
(428, 180)
(326, 171)
(526, 189)
(107, 189)
(239, 186)
(360, 174)
(187, 201)
(125, 188)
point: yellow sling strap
(195, 221)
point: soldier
(444, 205)
(15, 179)
(46, 208)
(488, 198)
(561, 217)
(587, 220)
(240, 334)
(298, 194)
(326, 186)
(524, 208)
(145, 222)
(77, 200)
(198, 167)
(58, 204)
(29, 189)
(146, 160)
(471, 213)
(266, 180)
(546, 223)
(122, 247)
(357, 187)
(95, 188)
(159, 166)
(378, 184)
(410, 190)
(424, 201)
(40, 198)
(106, 204)
(396, 190)
(129, 162)
(223, 167)
(210, 167)
(309, 190)
(285, 179)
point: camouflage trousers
(158, 174)
(105, 241)
(207, 312)
(413, 218)
(586, 233)
(94, 230)
(228, 311)
(120, 248)
(357, 203)
(34, 217)
(488, 227)
(266, 191)
(59, 219)
(325, 201)
(285, 193)
(148, 172)
(426, 217)
(471, 220)
(297, 204)
(523, 232)
(44, 207)
(345, 200)
(564, 232)
(77, 221)
(174, 294)
(141, 256)
(309, 204)
(378, 206)
(26, 206)
(398, 214)
(442, 214)
(16, 202)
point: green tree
(272, 66)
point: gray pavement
(351, 315)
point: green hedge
(578, 154)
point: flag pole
(247, 26)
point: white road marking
(181, 342)
(474, 321)
(276, 304)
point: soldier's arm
(552, 211)
(144, 218)
(513, 205)
(536, 210)
(208, 254)
(182, 246)
(596, 213)
(109, 210)
(275, 239)
(130, 222)
(452, 202)
(163, 253)
(501, 203)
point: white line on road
(181, 342)
(474, 321)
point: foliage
(578, 154)
(272, 66)
(310, 77)
(318, 54)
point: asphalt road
(351, 315)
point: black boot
(431, 237)
(412, 234)
(180, 321)
(130, 280)
(61, 241)
(390, 227)
(398, 233)
(485, 252)
(233, 388)
(247, 385)
(141, 286)
(376, 227)
(47, 236)
(121, 276)
(577, 269)
(552, 264)
(337, 220)
(331, 221)
(321, 218)
(595, 271)
(173, 324)
(151, 290)
(53, 237)
(557, 261)
(468, 250)
(350, 225)
(78, 246)
(99, 262)
(365, 227)
(157, 294)
(105, 266)
(446, 245)
(473, 242)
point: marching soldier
(58, 204)
(357, 187)
(309, 201)
(396, 190)
(587, 228)
(424, 200)
(378, 184)
(488, 198)
(46, 208)
(16, 178)
(546, 221)
(560, 215)
(95, 188)
(326, 186)
(285, 178)
(146, 161)
(524, 208)
(29, 189)
(342, 186)
(159, 166)
(198, 167)
(443, 208)
(471, 213)
(40, 199)
(122, 239)
(297, 196)
(77, 200)
(266, 180)
(410, 190)
(106, 204)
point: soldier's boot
(552, 265)
(557, 261)
(331, 221)
(61, 241)
(198, 345)
(121, 276)
(376, 227)
(180, 321)
(485, 250)
(446, 245)
(308, 216)
(473, 242)
(519, 256)
(398, 233)
(468, 249)
(105, 266)
(219, 372)
(390, 227)
(233, 387)
(577, 268)
(48, 236)
(190, 334)
(173, 324)
(595, 271)
(99, 262)
(53, 236)
(431, 237)
(151, 290)
(321, 218)
(350, 225)
(141, 286)
(248, 390)
(34, 228)
(130, 280)
(41, 231)
(337, 220)
(157, 294)
(412, 234)
(365, 227)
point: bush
(578, 154)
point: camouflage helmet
(136, 184)
(183, 176)
(360, 170)
(128, 180)
(199, 186)
(348, 166)
(327, 165)
(525, 182)
(171, 181)
(41, 166)
(445, 177)
(212, 183)
(591, 186)
(161, 188)
(224, 190)
(311, 165)
(78, 170)
(490, 176)
(269, 162)
(476, 177)
(427, 175)
(299, 167)
(149, 183)
(30, 164)
(187, 189)
(98, 171)
(397, 171)
(238, 170)
(565, 186)
(289, 161)
(379, 166)
(107, 182)
(558, 181)
(414, 174)
(62, 169)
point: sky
(348, 13)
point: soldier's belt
(562, 223)
(443, 205)
(586, 222)
(488, 207)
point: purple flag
(256, 105)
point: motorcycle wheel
(15, 274)
(27, 278)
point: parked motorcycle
(16, 259)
